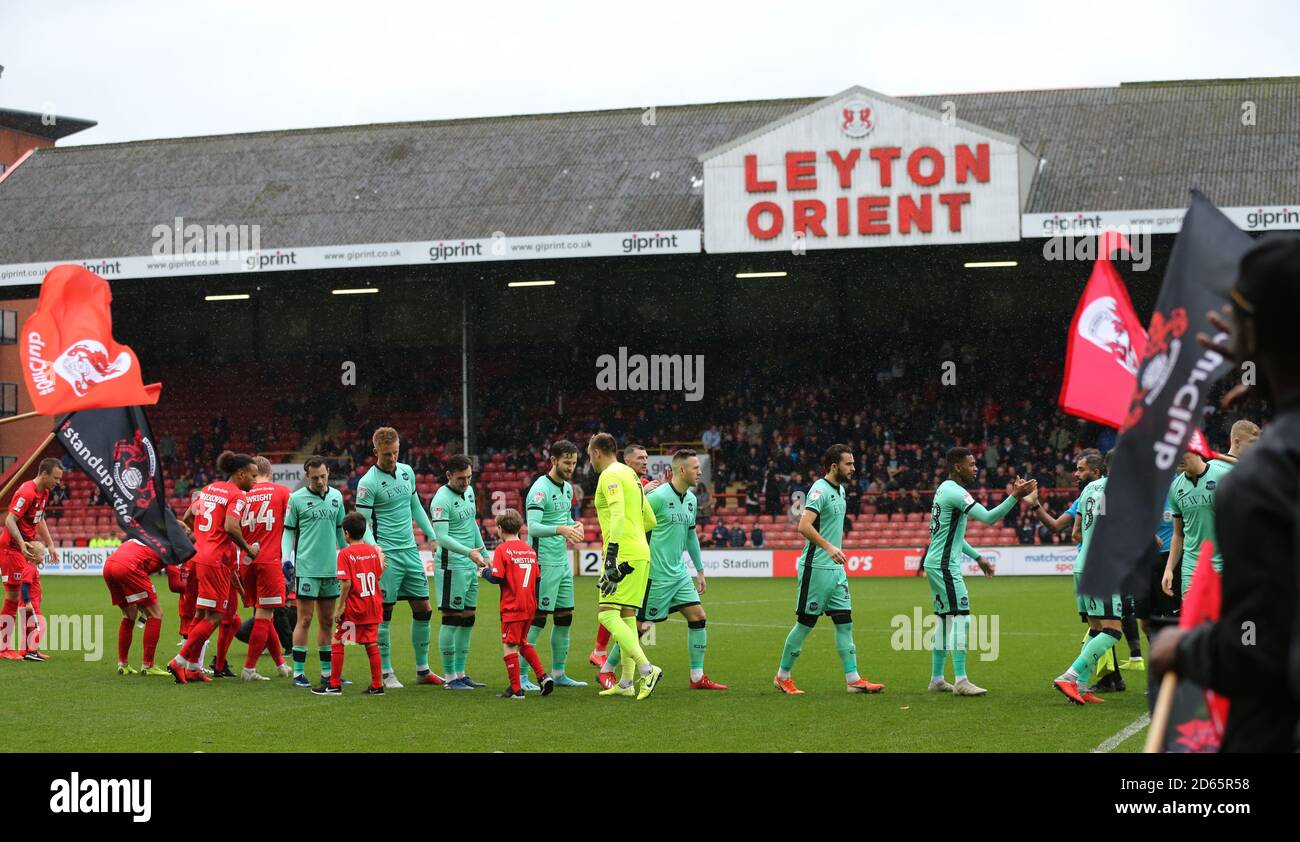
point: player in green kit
(671, 588)
(953, 505)
(1191, 499)
(1102, 614)
(387, 498)
(313, 535)
(551, 527)
(823, 583)
(625, 520)
(454, 512)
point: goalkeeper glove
(612, 569)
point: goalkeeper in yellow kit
(625, 519)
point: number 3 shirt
(360, 565)
(212, 544)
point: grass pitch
(69, 704)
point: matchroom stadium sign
(862, 170)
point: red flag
(69, 358)
(1201, 447)
(1104, 348)
(1201, 604)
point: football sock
(697, 642)
(376, 666)
(530, 655)
(1087, 660)
(793, 648)
(152, 631)
(385, 646)
(961, 627)
(535, 634)
(125, 629)
(463, 633)
(32, 641)
(512, 670)
(643, 666)
(939, 649)
(8, 624)
(299, 660)
(332, 673)
(625, 637)
(273, 646)
(447, 645)
(326, 654)
(192, 651)
(844, 646)
(560, 638)
(1131, 634)
(256, 642)
(613, 659)
(421, 632)
(225, 637)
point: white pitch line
(1127, 731)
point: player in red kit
(127, 572)
(214, 517)
(262, 581)
(20, 553)
(514, 567)
(182, 581)
(360, 569)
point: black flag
(115, 449)
(1172, 382)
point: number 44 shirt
(360, 565)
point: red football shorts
(129, 585)
(263, 585)
(515, 632)
(12, 567)
(215, 583)
(359, 633)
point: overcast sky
(195, 67)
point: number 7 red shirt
(515, 564)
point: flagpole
(19, 417)
(22, 470)
(1160, 716)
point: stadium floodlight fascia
(992, 264)
(355, 291)
(531, 284)
(761, 274)
(237, 296)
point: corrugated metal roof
(1130, 147)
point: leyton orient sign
(860, 169)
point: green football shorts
(404, 576)
(822, 590)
